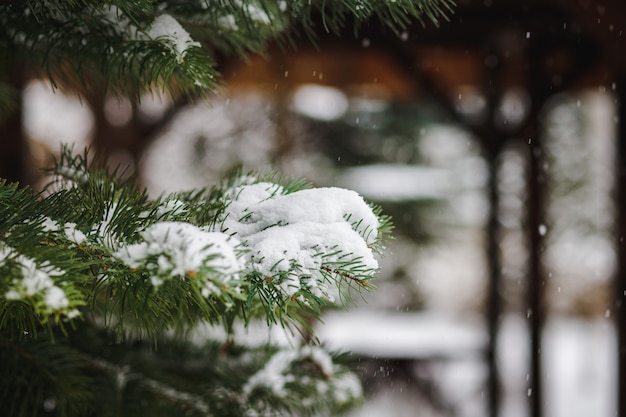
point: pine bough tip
(253, 243)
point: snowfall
(441, 344)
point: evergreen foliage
(175, 45)
(115, 304)
(110, 302)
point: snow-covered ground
(578, 359)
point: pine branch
(397, 15)
(124, 376)
(103, 290)
(138, 46)
(35, 269)
(97, 248)
(148, 266)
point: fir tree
(115, 304)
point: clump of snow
(49, 225)
(55, 298)
(257, 207)
(305, 234)
(178, 249)
(73, 234)
(36, 278)
(279, 371)
(166, 28)
(71, 231)
(346, 387)
(304, 249)
(36, 282)
(274, 375)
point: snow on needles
(164, 28)
(302, 235)
(177, 249)
(305, 240)
(167, 28)
(37, 282)
(279, 376)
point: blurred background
(494, 141)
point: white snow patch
(55, 298)
(182, 248)
(392, 182)
(36, 281)
(257, 207)
(579, 361)
(274, 375)
(579, 365)
(49, 225)
(320, 102)
(309, 244)
(165, 27)
(342, 386)
(36, 278)
(73, 234)
(53, 118)
(346, 387)
(5, 254)
(401, 335)
(302, 233)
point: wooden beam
(620, 278)
(535, 213)
(493, 142)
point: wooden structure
(540, 46)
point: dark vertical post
(492, 142)
(493, 295)
(12, 142)
(536, 181)
(536, 313)
(620, 278)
